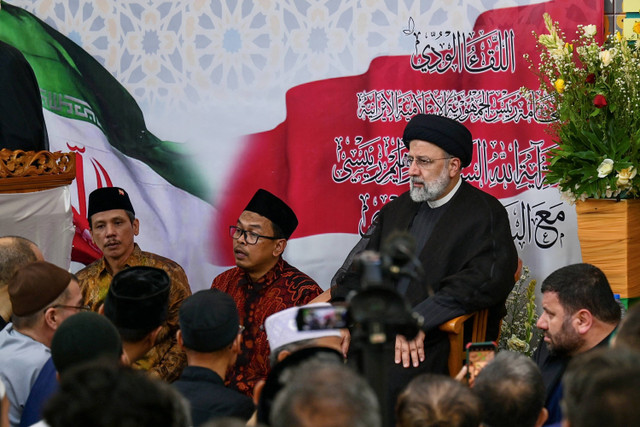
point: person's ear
(136, 227)
(282, 355)
(124, 359)
(279, 248)
(50, 318)
(101, 309)
(153, 335)
(455, 166)
(179, 339)
(257, 391)
(236, 345)
(542, 417)
(583, 320)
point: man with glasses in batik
(462, 241)
(42, 296)
(113, 227)
(262, 283)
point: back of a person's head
(84, 337)
(209, 321)
(102, 394)
(137, 301)
(583, 286)
(437, 401)
(591, 370)
(279, 375)
(628, 334)
(14, 253)
(323, 394)
(610, 399)
(511, 390)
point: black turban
(448, 134)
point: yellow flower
(636, 27)
(559, 84)
(618, 36)
(605, 168)
(626, 175)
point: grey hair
(511, 389)
(320, 389)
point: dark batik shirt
(282, 287)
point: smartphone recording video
(323, 317)
(478, 355)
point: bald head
(15, 252)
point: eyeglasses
(73, 307)
(421, 162)
(249, 236)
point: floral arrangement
(518, 331)
(591, 92)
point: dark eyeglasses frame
(233, 230)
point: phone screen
(478, 355)
(318, 318)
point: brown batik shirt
(165, 359)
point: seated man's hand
(410, 352)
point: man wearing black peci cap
(113, 228)
(137, 304)
(211, 335)
(262, 283)
(463, 242)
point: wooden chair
(455, 332)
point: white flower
(606, 56)
(605, 168)
(590, 30)
(626, 175)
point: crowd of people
(124, 342)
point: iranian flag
(87, 111)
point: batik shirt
(282, 287)
(165, 359)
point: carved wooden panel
(27, 171)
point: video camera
(377, 309)
(376, 313)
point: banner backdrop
(194, 105)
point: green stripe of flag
(75, 85)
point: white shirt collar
(441, 202)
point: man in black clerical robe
(463, 242)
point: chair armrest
(455, 325)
